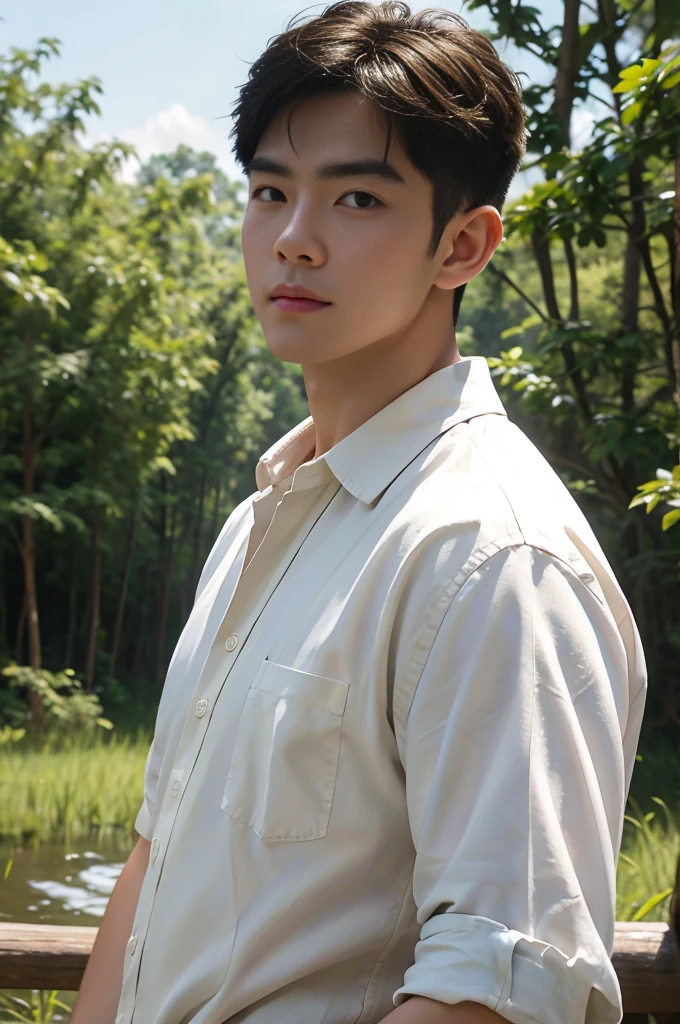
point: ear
(468, 243)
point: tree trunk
(21, 629)
(165, 564)
(216, 512)
(93, 624)
(630, 301)
(95, 584)
(139, 665)
(541, 248)
(675, 280)
(191, 578)
(72, 610)
(163, 621)
(122, 597)
(28, 554)
(567, 69)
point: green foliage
(68, 788)
(646, 868)
(41, 1007)
(666, 489)
(67, 710)
(579, 311)
(131, 402)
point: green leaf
(632, 112)
(633, 73)
(652, 902)
(625, 87)
(670, 66)
(670, 519)
(670, 82)
(629, 861)
(529, 321)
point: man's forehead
(328, 130)
(336, 122)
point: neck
(345, 393)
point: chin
(290, 349)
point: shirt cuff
(525, 980)
(145, 821)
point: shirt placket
(250, 597)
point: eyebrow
(349, 169)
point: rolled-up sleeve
(515, 746)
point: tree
(130, 363)
(593, 371)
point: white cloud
(163, 132)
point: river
(54, 884)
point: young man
(395, 742)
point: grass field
(74, 791)
(87, 789)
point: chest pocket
(282, 774)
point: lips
(291, 304)
(296, 299)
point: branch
(523, 295)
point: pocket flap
(321, 692)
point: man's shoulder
(481, 488)
(487, 478)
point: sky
(171, 71)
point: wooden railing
(645, 959)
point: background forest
(136, 394)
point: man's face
(358, 240)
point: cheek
(389, 263)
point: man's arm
(419, 1010)
(512, 731)
(100, 988)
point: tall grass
(647, 861)
(77, 789)
(651, 834)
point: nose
(299, 242)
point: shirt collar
(372, 456)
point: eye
(361, 200)
(258, 193)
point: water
(56, 884)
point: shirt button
(155, 846)
(132, 944)
(587, 577)
(175, 786)
(231, 642)
(201, 707)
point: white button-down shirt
(395, 740)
